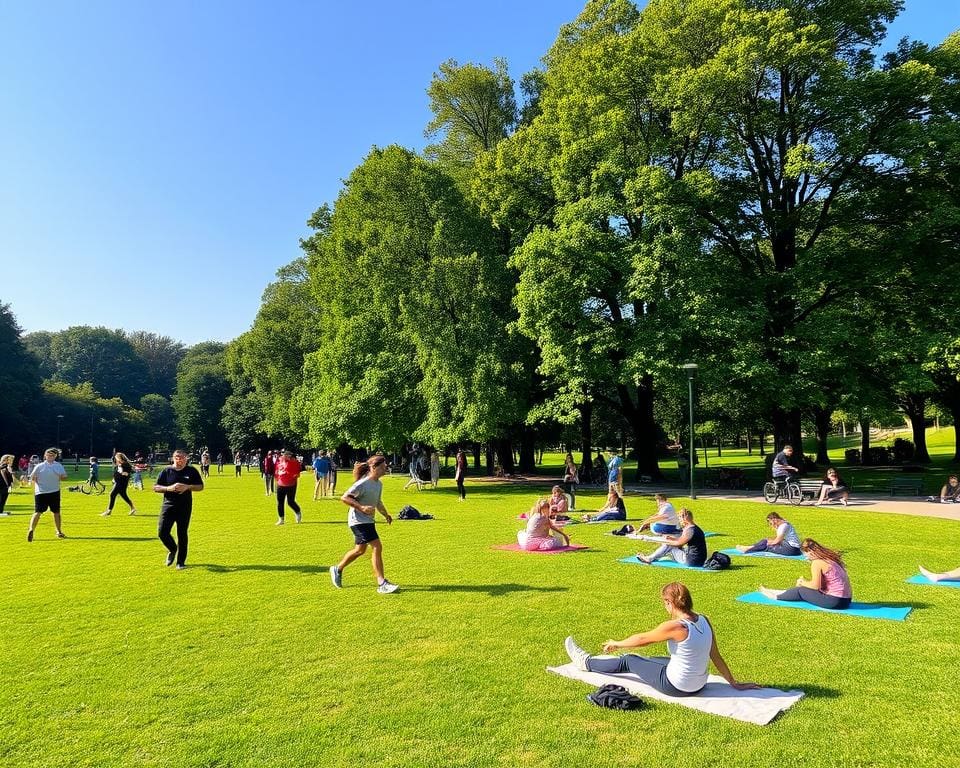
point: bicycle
(92, 487)
(788, 489)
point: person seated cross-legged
(689, 548)
(614, 509)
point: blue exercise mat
(866, 610)
(664, 564)
(921, 579)
(737, 553)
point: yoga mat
(866, 610)
(759, 706)
(516, 548)
(654, 538)
(737, 553)
(665, 564)
(921, 579)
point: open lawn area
(251, 657)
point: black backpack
(614, 697)
(718, 561)
(412, 513)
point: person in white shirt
(785, 542)
(46, 477)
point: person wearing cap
(46, 477)
(287, 474)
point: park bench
(907, 485)
(810, 488)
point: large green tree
(202, 390)
(19, 382)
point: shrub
(903, 450)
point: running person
(177, 483)
(46, 477)
(364, 500)
(121, 480)
(288, 474)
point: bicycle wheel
(770, 492)
(84, 489)
(97, 487)
(794, 493)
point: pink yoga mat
(516, 548)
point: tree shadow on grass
(493, 590)
(303, 568)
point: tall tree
(19, 382)
(202, 390)
(161, 355)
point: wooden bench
(909, 485)
(810, 488)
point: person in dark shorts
(364, 500)
(177, 483)
(46, 477)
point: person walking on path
(46, 477)
(177, 483)
(7, 478)
(269, 467)
(460, 473)
(122, 470)
(321, 472)
(615, 473)
(364, 500)
(288, 474)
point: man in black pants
(177, 484)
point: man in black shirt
(177, 484)
(782, 468)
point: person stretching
(538, 535)
(122, 470)
(614, 509)
(690, 641)
(287, 474)
(828, 585)
(833, 488)
(364, 500)
(953, 575)
(689, 548)
(665, 521)
(786, 542)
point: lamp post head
(691, 369)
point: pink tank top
(836, 583)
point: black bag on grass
(412, 513)
(718, 561)
(614, 697)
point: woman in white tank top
(690, 641)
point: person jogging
(287, 475)
(121, 480)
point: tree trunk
(761, 439)
(787, 431)
(476, 455)
(639, 416)
(719, 448)
(749, 444)
(491, 459)
(865, 442)
(914, 406)
(528, 450)
(821, 417)
(955, 413)
(586, 440)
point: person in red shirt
(269, 468)
(287, 474)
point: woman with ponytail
(828, 585)
(364, 500)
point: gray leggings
(652, 670)
(777, 549)
(814, 597)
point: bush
(852, 455)
(879, 455)
(903, 450)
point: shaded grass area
(250, 657)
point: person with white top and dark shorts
(364, 500)
(786, 542)
(690, 642)
(46, 477)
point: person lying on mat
(828, 585)
(690, 642)
(833, 488)
(614, 509)
(689, 548)
(953, 575)
(786, 541)
(557, 502)
(665, 521)
(540, 532)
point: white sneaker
(280, 521)
(106, 513)
(386, 588)
(577, 655)
(336, 576)
(297, 515)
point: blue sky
(158, 161)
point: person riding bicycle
(782, 469)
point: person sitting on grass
(949, 494)
(557, 502)
(953, 575)
(539, 533)
(690, 641)
(786, 542)
(614, 509)
(665, 521)
(689, 548)
(828, 585)
(833, 488)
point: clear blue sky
(158, 161)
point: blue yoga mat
(664, 564)
(737, 553)
(866, 610)
(921, 579)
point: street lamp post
(59, 422)
(691, 369)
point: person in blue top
(321, 471)
(46, 477)
(782, 468)
(94, 469)
(615, 473)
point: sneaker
(577, 655)
(29, 535)
(61, 535)
(336, 576)
(297, 515)
(106, 513)
(181, 566)
(171, 556)
(280, 521)
(133, 511)
(4, 514)
(386, 588)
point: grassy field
(251, 658)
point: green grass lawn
(250, 657)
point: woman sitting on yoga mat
(614, 509)
(665, 521)
(557, 502)
(953, 575)
(828, 585)
(689, 548)
(786, 542)
(690, 642)
(539, 533)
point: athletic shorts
(365, 533)
(44, 501)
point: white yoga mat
(759, 706)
